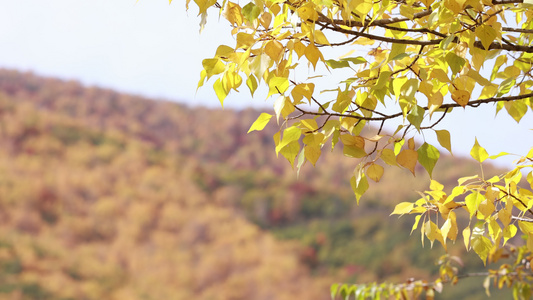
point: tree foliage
(406, 63)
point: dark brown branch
(496, 2)
(517, 199)
(474, 103)
(517, 30)
(438, 121)
(381, 22)
(419, 30)
(477, 44)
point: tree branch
(496, 2)
(477, 44)
(380, 22)
(474, 103)
(517, 30)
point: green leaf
(409, 89)
(455, 62)
(396, 50)
(416, 116)
(443, 136)
(428, 156)
(333, 289)
(251, 11)
(478, 152)
(355, 60)
(337, 64)
(261, 122)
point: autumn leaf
(261, 122)
(461, 97)
(374, 172)
(407, 159)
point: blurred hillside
(112, 196)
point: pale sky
(155, 49)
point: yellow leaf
(486, 208)
(353, 151)
(411, 143)
(478, 78)
(478, 153)
(302, 90)
(466, 236)
(509, 232)
(290, 151)
(473, 201)
(233, 14)
(203, 75)
(456, 6)
(516, 109)
(505, 217)
(434, 102)
(314, 139)
(486, 34)
(299, 48)
(312, 153)
(320, 38)
(482, 247)
(361, 7)
(245, 40)
(461, 97)
(445, 229)
(252, 84)
(453, 232)
(309, 124)
(313, 54)
(436, 186)
(374, 172)
(350, 140)
(265, 19)
(307, 12)
(359, 185)
(213, 66)
(440, 75)
(261, 122)
(220, 91)
(290, 135)
(278, 85)
(403, 208)
(274, 49)
(408, 158)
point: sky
(153, 48)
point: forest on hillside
(105, 195)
